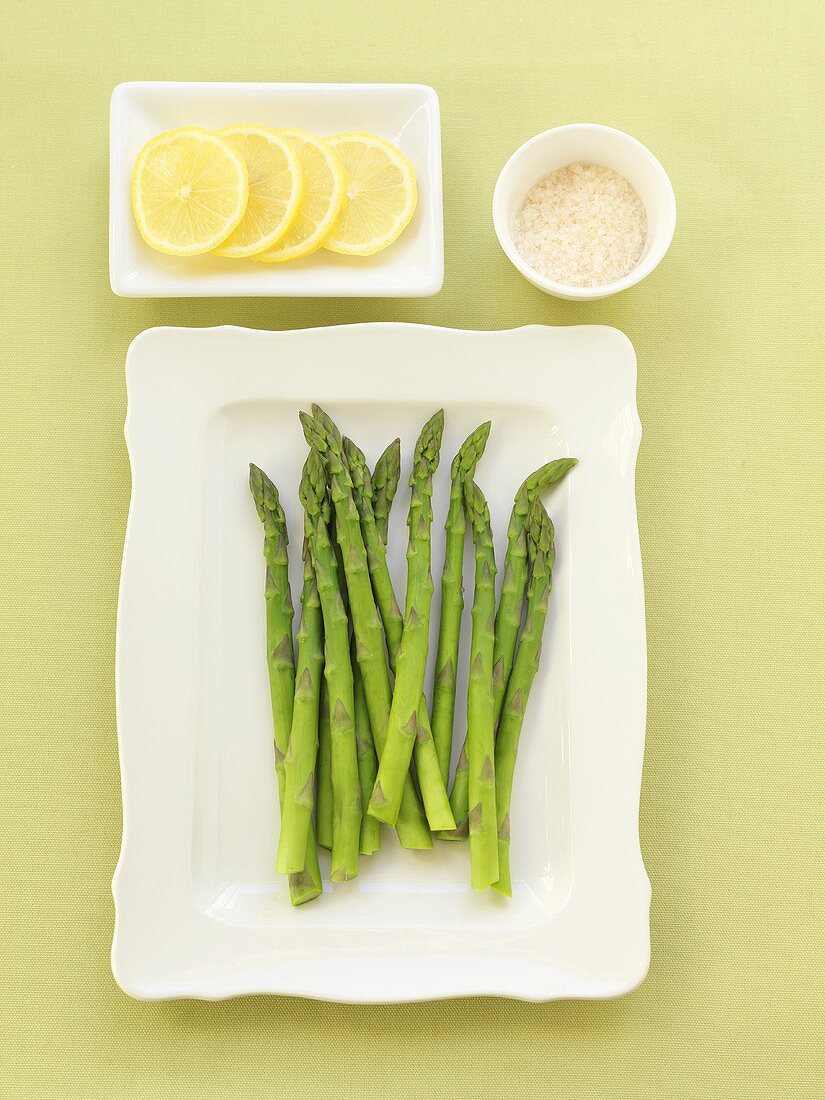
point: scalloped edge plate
(198, 913)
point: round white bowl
(587, 143)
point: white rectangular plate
(200, 912)
(406, 114)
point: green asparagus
(346, 791)
(343, 738)
(514, 577)
(323, 794)
(279, 611)
(452, 597)
(370, 840)
(299, 763)
(437, 806)
(367, 756)
(541, 552)
(305, 883)
(375, 546)
(385, 478)
(509, 615)
(480, 732)
(404, 731)
(321, 433)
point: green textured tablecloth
(729, 334)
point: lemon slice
(324, 194)
(275, 187)
(381, 194)
(189, 191)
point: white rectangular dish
(199, 910)
(406, 114)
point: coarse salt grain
(583, 225)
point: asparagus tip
(470, 452)
(551, 473)
(541, 533)
(309, 427)
(428, 446)
(326, 428)
(475, 503)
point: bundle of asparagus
(355, 742)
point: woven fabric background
(729, 334)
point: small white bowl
(406, 114)
(587, 143)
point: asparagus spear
(452, 597)
(322, 433)
(375, 546)
(480, 731)
(508, 618)
(346, 791)
(370, 840)
(514, 578)
(323, 795)
(405, 733)
(305, 884)
(436, 802)
(541, 552)
(299, 763)
(279, 611)
(370, 837)
(385, 478)
(367, 757)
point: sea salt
(583, 225)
